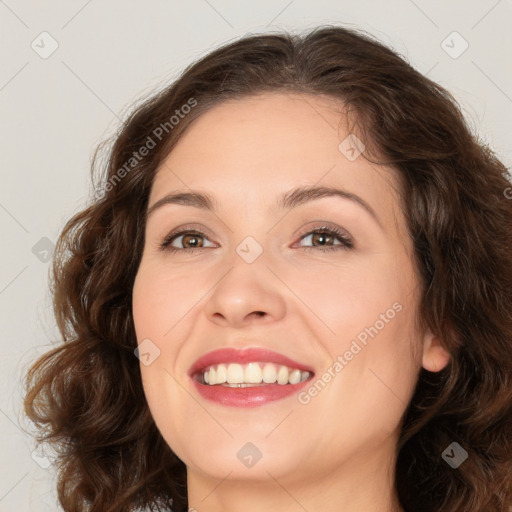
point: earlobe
(435, 356)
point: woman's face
(261, 268)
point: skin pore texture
(337, 451)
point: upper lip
(247, 355)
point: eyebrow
(289, 200)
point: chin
(241, 458)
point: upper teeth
(253, 373)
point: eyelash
(346, 241)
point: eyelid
(319, 225)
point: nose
(248, 293)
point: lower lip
(250, 396)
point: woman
(310, 256)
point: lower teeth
(241, 385)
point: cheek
(349, 297)
(161, 300)
(364, 315)
(154, 310)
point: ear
(435, 356)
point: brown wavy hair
(86, 395)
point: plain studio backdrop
(69, 70)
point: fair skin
(337, 451)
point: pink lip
(252, 396)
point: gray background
(56, 108)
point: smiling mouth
(253, 374)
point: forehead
(267, 126)
(256, 148)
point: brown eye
(322, 239)
(190, 240)
(194, 240)
(327, 237)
